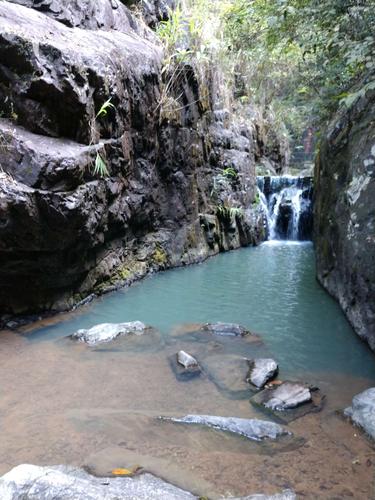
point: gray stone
(288, 395)
(362, 411)
(65, 228)
(284, 495)
(261, 371)
(344, 221)
(226, 329)
(31, 482)
(186, 360)
(253, 429)
(105, 332)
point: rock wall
(65, 231)
(345, 214)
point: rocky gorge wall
(65, 231)
(345, 214)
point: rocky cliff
(66, 230)
(345, 214)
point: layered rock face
(65, 230)
(345, 214)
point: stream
(64, 402)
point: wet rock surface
(362, 411)
(261, 371)
(185, 367)
(253, 429)
(288, 207)
(344, 213)
(284, 495)
(62, 482)
(289, 400)
(186, 360)
(228, 373)
(287, 396)
(226, 329)
(106, 332)
(71, 232)
(68, 483)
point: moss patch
(159, 256)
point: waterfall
(286, 202)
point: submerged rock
(228, 373)
(105, 332)
(251, 428)
(31, 482)
(187, 361)
(226, 329)
(284, 495)
(261, 371)
(362, 411)
(288, 395)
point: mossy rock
(159, 256)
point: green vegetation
(256, 199)
(294, 62)
(100, 167)
(159, 256)
(103, 111)
(230, 173)
(227, 212)
(303, 55)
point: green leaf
(100, 167)
(103, 111)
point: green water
(271, 289)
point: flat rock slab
(254, 429)
(287, 396)
(362, 411)
(289, 400)
(228, 373)
(226, 329)
(31, 482)
(105, 332)
(261, 371)
(184, 366)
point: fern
(100, 167)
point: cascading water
(286, 202)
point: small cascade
(286, 202)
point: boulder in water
(226, 329)
(186, 360)
(251, 428)
(69, 483)
(362, 411)
(289, 400)
(184, 366)
(288, 395)
(105, 332)
(261, 371)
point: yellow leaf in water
(121, 472)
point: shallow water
(63, 402)
(271, 289)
